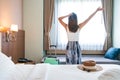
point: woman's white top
(73, 36)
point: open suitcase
(52, 59)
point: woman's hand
(69, 14)
(99, 9)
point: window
(92, 36)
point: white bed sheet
(33, 72)
(25, 70)
(61, 72)
(71, 72)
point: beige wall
(33, 26)
(116, 24)
(32, 18)
(10, 13)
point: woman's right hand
(69, 14)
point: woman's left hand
(99, 9)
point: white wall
(10, 13)
(116, 24)
(33, 26)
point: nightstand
(26, 63)
(32, 62)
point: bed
(45, 71)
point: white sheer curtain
(92, 36)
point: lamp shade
(14, 27)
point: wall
(116, 24)
(33, 26)
(10, 13)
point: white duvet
(11, 71)
(68, 72)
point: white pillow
(5, 62)
(8, 70)
(111, 74)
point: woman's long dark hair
(72, 23)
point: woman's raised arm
(88, 19)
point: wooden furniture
(15, 49)
(32, 62)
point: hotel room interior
(29, 40)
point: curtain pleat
(48, 14)
(108, 13)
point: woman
(73, 55)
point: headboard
(15, 49)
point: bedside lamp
(3, 29)
(11, 33)
(14, 28)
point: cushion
(8, 69)
(5, 62)
(111, 74)
(112, 53)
